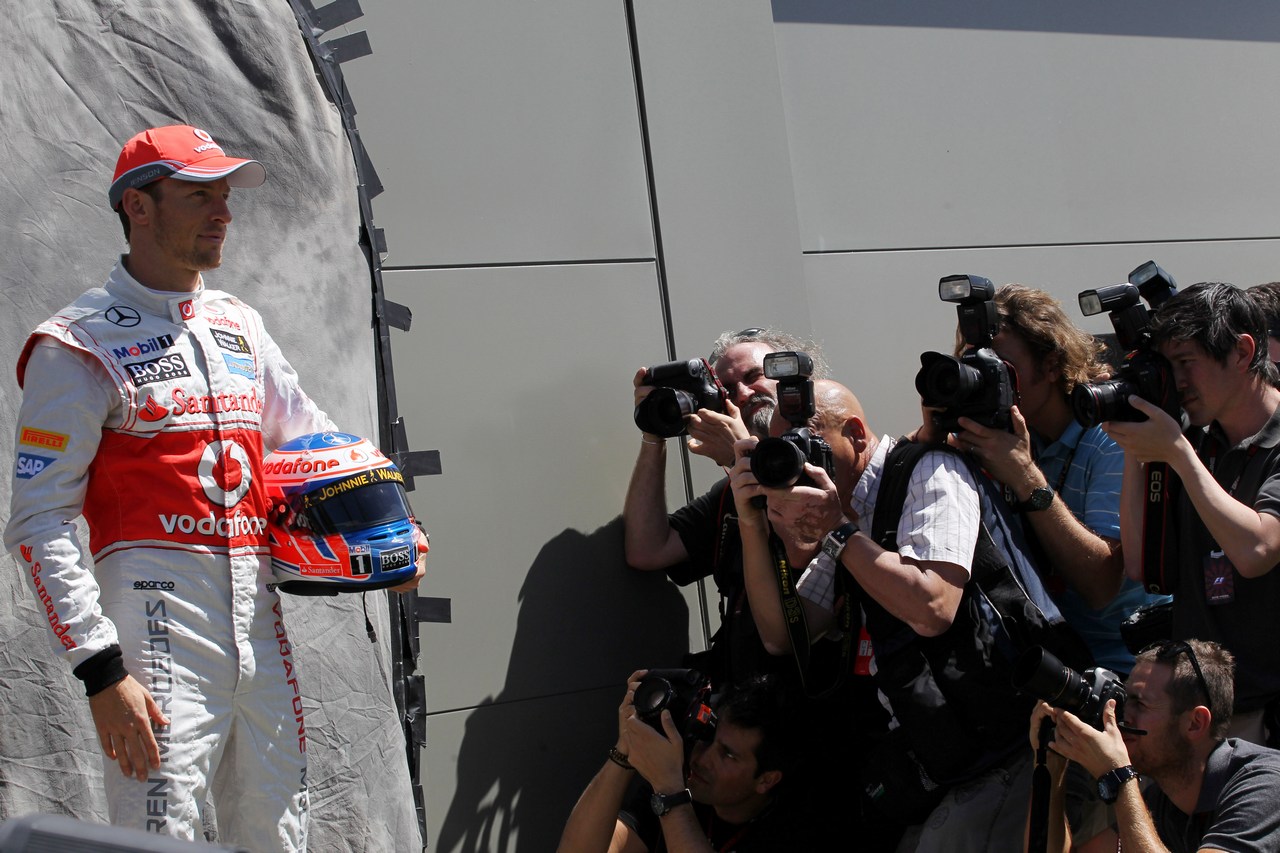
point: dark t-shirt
(715, 550)
(1213, 601)
(1236, 811)
(780, 829)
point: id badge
(1219, 579)
(862, 662)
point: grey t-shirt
(1237, 809)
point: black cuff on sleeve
(102, 670)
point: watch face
(1041, 498)
(659, 807)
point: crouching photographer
(684, 778)
(1159, 752)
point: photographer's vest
(953, 694)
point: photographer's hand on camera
(714, 435)
(803, 515)
(1157, 439)
(1098, 752)
(1005, 454)
(751, 515)
(657, 756)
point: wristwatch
(1041, 498)
(833, 543)
(1109, 783)
(663, 803)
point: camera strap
(816, 685)
(1156, 508)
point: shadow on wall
(586, 622)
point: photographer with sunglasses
(1206, 792)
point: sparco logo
(156, 344)
(122, 315)
(158, 369)
(225, 472)
(211, 525)
(153, 585)
(389, 561)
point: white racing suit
(149, 413)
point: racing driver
(147, 406)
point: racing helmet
(340, 520)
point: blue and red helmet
(340, 519)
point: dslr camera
(1038, 673)
(686, 693)
(979, 384)
(682, 387)
(779, 462)
(1143, 371)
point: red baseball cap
(179, 151)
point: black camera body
(686, 693)
(1143, 372)
(978, 385)
(681, 388)
(1038, 673)
(779, 462)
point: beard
(1174, 758)
(758, 422)
(182, 248)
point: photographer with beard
(731, 794)
(700, 539)
(1208, 792)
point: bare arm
(650, 542)
(1091, 564)
(1250, 539)
(593, 825)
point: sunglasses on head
(1167, 651)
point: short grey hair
(777, 340)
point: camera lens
(943, 381)
(1103, 401)
(1042, 675)
(662, 411)
(777, 463)
(653, 693)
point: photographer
(1219, 555)
(687, 544)
(1268, 298)
(1209, 792)
(959, 719)
(729, 797)
(1064, 478)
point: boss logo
(158, 369)
(400, 558)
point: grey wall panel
(917, 129)
(503, 132)
(505, 777)
(521, 377)
(720, 164)
(879, 310)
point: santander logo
(26, 552)
(152, 411)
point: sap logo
(233, 343)
(240, 366)
(397, 559)
(160, 369)
(156, 344)
(167, 585)
(29, 465)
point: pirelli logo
(42, 438)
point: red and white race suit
(148, 412)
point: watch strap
(1110, 783)
(833, 543)
(664, 803)
(1041, 498)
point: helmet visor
(357, 503)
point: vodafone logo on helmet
(225, 472)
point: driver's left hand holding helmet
(340, 519)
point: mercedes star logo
(123, 315)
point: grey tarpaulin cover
(77, 78)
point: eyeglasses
(1167, 651)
